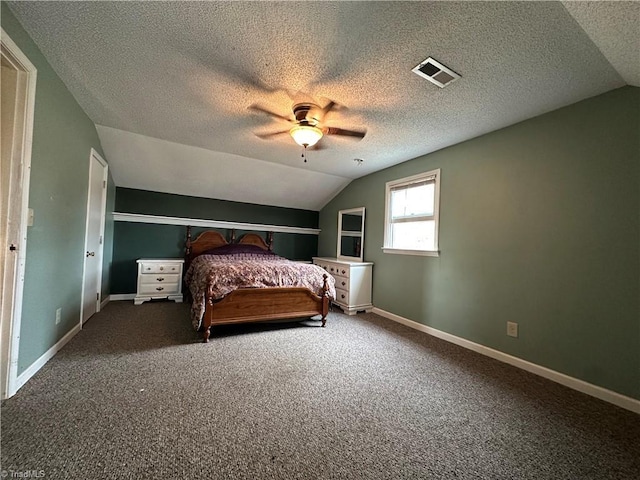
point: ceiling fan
(308, 128)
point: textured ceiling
(169, 83)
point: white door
(96, 205)
(18, 82)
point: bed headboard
(205, 241)
(255, 239)
(212, 239)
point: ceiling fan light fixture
(306, 135)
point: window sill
(422, 253)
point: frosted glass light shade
(306, 135)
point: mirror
(351, 234)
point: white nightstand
(353, 283)
(159, 278)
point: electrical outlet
(58, 315)
(512, 329)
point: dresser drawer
(342, 283)
(342, 296)
(156, 289)
(336, 270)
(160, 267)
(159, 278)
(342, 271)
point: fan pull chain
(304, 153)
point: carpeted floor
(135, 395)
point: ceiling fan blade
(344, 131)
(328, 107)
(270, 134)
(258, 108)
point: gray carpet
(135, 395)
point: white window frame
(394, 184)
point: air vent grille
(436, 72)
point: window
(411, 215)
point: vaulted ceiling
(168, 84)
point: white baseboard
(610, 396)
(45, 357)
(122, 296)
(105, 301)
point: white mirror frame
(351, 211)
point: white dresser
(159, 278)
(353, 283)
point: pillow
(235, 248)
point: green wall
(539, 225)
(143, 240)
(63, 136)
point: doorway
(18, 85)
(94, 236)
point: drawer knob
(159, 288)
(344, 283)
(160, 279)
(161, 268)
(344, 271)
(148, 268)
(342, 296)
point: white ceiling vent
(436, 72)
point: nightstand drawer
(160, 267)
(159, 278)
(158, 289)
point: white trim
(432, 175)
(103, 207)
(121, 296)
(104, 301)
(45, 357)
(601, 393)
(198, 222)
(31, 72)
(423, 253)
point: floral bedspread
(230, 272)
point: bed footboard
(247, 305)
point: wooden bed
(246, 305)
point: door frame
(103, 214)
(11, 328)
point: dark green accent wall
(63, 136)
(539, 225)
(143, 240)
(129, 200)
